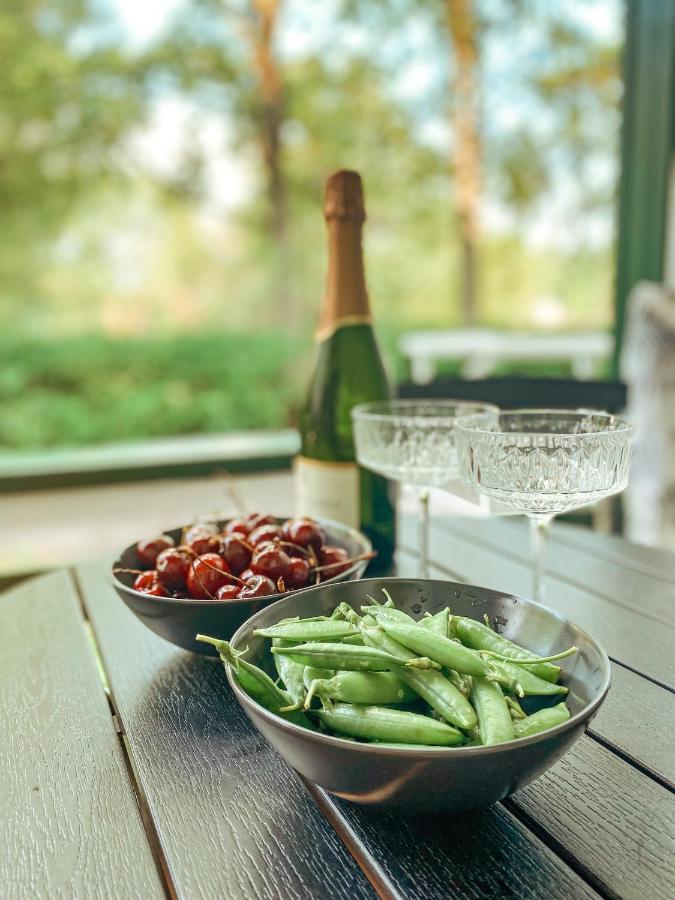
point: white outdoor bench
(480, 350)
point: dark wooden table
(127, 769)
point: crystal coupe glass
(543, 462)
(412, 442)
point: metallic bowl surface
(436, 779)
(178, 621)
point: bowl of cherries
(211, 577)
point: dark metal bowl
(178, 621)
(436, 779)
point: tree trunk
(271, 117)
(467, 149)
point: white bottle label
(328, 490)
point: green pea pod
(445, 651)
(347, 656)
(480, 637)
(431, 686)
(390, 612)
(437, 623)
(362, 687)
(541, 721)
(344, 611)
(529, 683)
(291, 674)
(255, 682)
(380, 723)
(494, 716)
(325, 630)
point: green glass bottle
(328, 482)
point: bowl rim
(471, 424)
(365, 412)
(429, 753)
(183, 601)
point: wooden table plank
(470, 856)
(617, 824)
(70, 825)
(233, 820)
(647, 591)
(613, 548)
(615, 627)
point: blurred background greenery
(161, 173)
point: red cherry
(206, 574)
(236, 553)
(202, 538)
(172, 568)
(237, 526)
(258, 586)
(147, 583)
(256, 519)
(306, 533)
(263, 533)
(148, 551)
(299, 573)
(228, 592)
(271, 561)
(246, 574)
(333, 556)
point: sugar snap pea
(529, 683)
(255, 682)
(439, 693)
(445, 651)
(324, 630)
(480, 637)
(438, 622)
(291, 675)
(362, 687)
(380, 723)
(494, 717)
(349, 657)
(390, 612)
(541, 721)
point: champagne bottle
(348, 371)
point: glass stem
(539, 540)
(424, 533)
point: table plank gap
(646, 770)
(606, 819)
(161, 863)
(373, 872)
(474, 855)
(70, 822)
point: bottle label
(328, 490)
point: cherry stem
(130, 571)
(294, 546)
(370, 555)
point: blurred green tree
(68, 97)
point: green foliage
(88, 390)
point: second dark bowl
(178, 621)
(439, 778)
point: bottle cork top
(343, 197)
